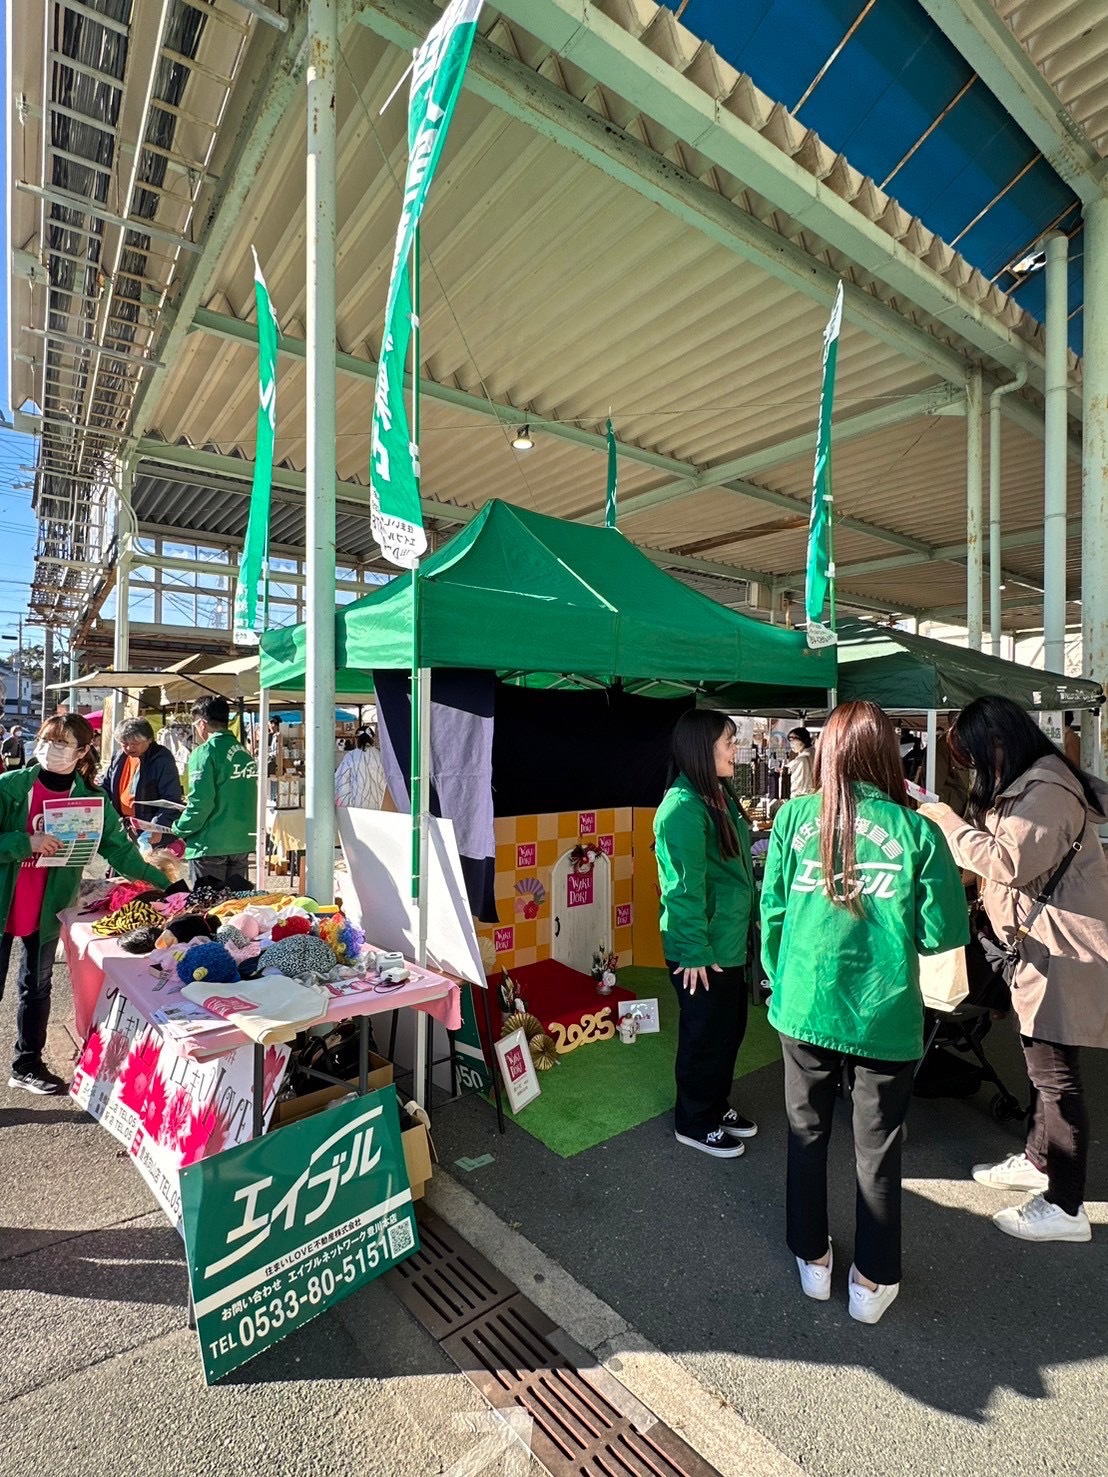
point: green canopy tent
(916, 674)
(520, 593)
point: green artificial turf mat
(605, 1088)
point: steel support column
(124, 545)
(1054, 454)
(974, 561)
(48, 699)
(73, 669)
(996, 574)
(319, 694)
(1094, 473)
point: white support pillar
(49, 699)
(975, 614)
(1054, 453)
(262, 821)
(319, 694)
(74, 667)
(124, 549)
(932, 749)
(1094, 473)
(995, 575)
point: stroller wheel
(1004, 1106)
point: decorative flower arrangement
(604, 964)
(583, 858)
(532, 895)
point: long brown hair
(859, 743)
(72, 728)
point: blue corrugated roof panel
(891, 81)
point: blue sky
(17, 545)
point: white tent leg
(932, 740)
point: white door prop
(581, 908)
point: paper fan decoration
(544, 1053)
(529, 1024)
(531, 896)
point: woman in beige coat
(1028, 808)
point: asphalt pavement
(994, 1359)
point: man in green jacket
(219, 822)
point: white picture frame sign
(645, 1012)
(521, 1081)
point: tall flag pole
(819, 586)
(437, 71)
(254, 564)
(613, 478)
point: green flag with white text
(254, 564)
(437, 72)
(820, 580)
(613, 477)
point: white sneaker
(867, 1306)
(815, 1281)
(1014, 1173)
(1040, 1220)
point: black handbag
(1004, 958)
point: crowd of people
(859, 884)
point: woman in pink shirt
(31, 896)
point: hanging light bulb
(522, 439)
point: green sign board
(280, 1228)
(473, 1072)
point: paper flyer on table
(78, 825)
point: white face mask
(57, 758)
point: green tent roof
(518, 592)
(899, 670)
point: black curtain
(556, 750)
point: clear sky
(17, 522)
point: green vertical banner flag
(437, 72)
(613, 478)
(820, 581)
(254, 564)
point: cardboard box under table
(169, 1101)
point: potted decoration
(604, 970)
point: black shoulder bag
(1004, 958)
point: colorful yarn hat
(207, 961)
(138, 914)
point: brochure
(78, 824)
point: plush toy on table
(209, 961)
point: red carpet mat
(555, 992)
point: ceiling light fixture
(522, 439)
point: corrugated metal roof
(551, 287)
(1068, 42)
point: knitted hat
(299, 956)
(208, 961)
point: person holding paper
(142, 773)
(857, 886)
(31, 897)
(1031, 822)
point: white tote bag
(944, 980)
(268, 1009)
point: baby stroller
(954, 1063)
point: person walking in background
(31, 897)
(219, 822)
(12, 753)
(799, 763)
(141, 773)
(1030, 810)
(360, 777)
(856, 887)
(702, 843)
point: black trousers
(221, 867)
(709, 1034)
(33, 1006)
(1058, 1139)
(881, 1096)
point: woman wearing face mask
(32, 897)
(799, 764)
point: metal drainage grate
(585, 1421)
(447, 1284)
